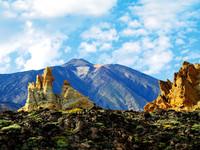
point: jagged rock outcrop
(183, 94)
(41, 95)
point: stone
(41, 95)
(183, 93)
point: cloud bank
(59, 8)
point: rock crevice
(41, 95)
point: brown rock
(38, 82)
(183, 94)
(165, 87)
(41, 95)
(47, 79)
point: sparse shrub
(69, 132)
(33, 115)
(152, 114)
(71, 111)
(91, 142)
(168, 148)
(12, 127)
(136, 119)
(184, 138)
(99, 124)
(39, 119)
(61, 141)
(4, 123)
(33, 141)
(145, 141)
(140, 128)
(128, 118)
(167, 126)
(196, 126)
(37, 129)
(162, 145)
(56, 123)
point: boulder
(41, 95)
(183, 93)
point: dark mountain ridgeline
(109, 86)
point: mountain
(108, 85)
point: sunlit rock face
(183, 93)
(41, 95)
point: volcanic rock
(41, 95)
(183, 94)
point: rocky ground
(99, 129)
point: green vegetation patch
(99, 124)
(5, 123)
(39, 119)
(69, 132)
(37, 129)
(60, 141)
(196, 126)
(162, 145)
(184, 138)
(169, 122)
(12, 127)
(33, 115)
(140, 128)
(71, 111)
(33, 141)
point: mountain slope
(109, 86)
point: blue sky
(151, 36)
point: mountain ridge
(109, 86)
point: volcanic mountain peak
(77, 62)
(109, 86)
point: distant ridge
(109, 86)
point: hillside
(97, 129)
(109, 86)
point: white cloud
(20, 61)
(125, 18)
(129, 47)
(58, 8)
(106, 47)
(156, 22)
(43, 49)
(184, 51)
(190, 56)
(86, 48)
(156, 61)
(68, 49)
(127, 54)
(164, 16)
(147, 44)
(4, 69)
(97, 38)
(131, 32)
(105, 59)
(179, 42)
(100, 34)
(134, 24)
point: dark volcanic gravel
(99, 129)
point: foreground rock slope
(41, 95)
(183, 93)
(98, 129)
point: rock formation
(41, 95)
(183, 94)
